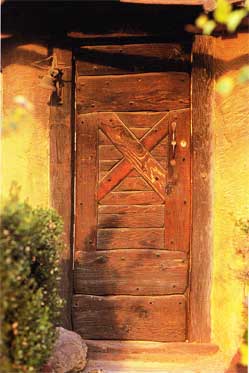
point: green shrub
(30, 305)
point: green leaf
(225, 85)
(235, 18)
(222, 11)
(243, 75)
(201, 21)
(209, 27)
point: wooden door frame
(62, 129)
(202, 96)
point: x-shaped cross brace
(136, 153)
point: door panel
(132, 206)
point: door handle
(173, 144)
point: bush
(30, 242)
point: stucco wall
(26, 159)
(25, 149)
(231, 193)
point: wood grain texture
(132, 58)
(124, 168)
(109, 152)
(106, 165)
(130, 238)
(134, 272)
(133, 183)
(134, 151)
(202, 91)
(86, 175)
(130, 317)
(136, 92)
(178, 200)
(144, 119)
(149, 351)
(132, 198)
(61, 177)
(131, 216)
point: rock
(69, 353)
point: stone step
(148, 351)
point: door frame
(62, 174)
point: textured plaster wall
(25, 158)
(231, 193)
(25, 150)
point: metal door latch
(173, 144)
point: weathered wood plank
(109, 152)
(61, 185)
(123, 209)
(144, 119)
(160, 151)
(132, 198)
(135, 217)
(134, 272)
(130, 238)
(202, 91)
(138, 132)
(103, 139)
(178, 200)
(130, 317)
(132, 58)
(152, 91)
(123, 168)
(107, 165)
(134, 151)
(86, 175)
(133, 183)
(149, 351)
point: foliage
(30, 305)
(225, 14)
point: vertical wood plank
(202, 104)
(61, 175)
(87, 176)
(178, 200)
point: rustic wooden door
(133, 194)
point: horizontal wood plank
(132, 198)
(133, 183)
(130, 317)
(109, 152)
(106, 165)
(149, 351)
(130, 238)
(132, 58)
(152, 91)
(134, 272)
(133, 217)
(138, 132)
(144, 119)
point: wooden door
(133, 196)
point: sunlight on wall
(231, 196)
(25, 137)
